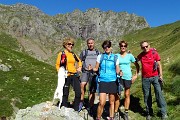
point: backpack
(102, 58)
(86, 53)
(63, 60)
(155, 66)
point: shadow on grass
(135, 105)
(175, 68)
(174, 102)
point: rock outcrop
(40, 35)
(46, 111)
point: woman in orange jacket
(73, 65)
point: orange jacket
(71, 65)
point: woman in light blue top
(125, 59)
(108, 66)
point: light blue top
(125, 65)
(107, 68)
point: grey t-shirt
(90, 58)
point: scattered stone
(26, 78)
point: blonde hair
(67, 40)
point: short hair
(143, 42)
(121, 42)
(67, 40)
(90, 39)
(106, 43)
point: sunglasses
(143, 47)
(104, 47)
(70, 44)
(123, 45)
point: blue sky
(156, 12)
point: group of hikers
(106, 72)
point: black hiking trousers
(72, 80)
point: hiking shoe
(126, 116)
(164, 117)
(110, 118)
(80, 106)
(116, 116)
(148, 117)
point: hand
(120, 73)
(90, 67)
(134, 78)
(161, 78)
(79, 69)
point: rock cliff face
(99, 24)
(32, 27)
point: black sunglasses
(123, 45)
(104, 47)
(143, 47)
(70, 44)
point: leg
(92, 90)
(127, 99)
(159, 96)
(127, 85)
(102, 102)
(111, 102)
(117, 103)
(66, 91)
(84, 80)
(146, 86)
(83, 89)
(77, 90)
(91, 99)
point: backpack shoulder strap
(75, 57)
(85, 54)
(101, 58)
(97, 52)
(115, 59)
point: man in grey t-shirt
(88, 58)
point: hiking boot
(110, 118)
(148, 117)
(126, 116)
(164, 117)
(80, 106)
(116, 116)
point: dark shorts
(108, 87)
(126, 83)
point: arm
(95, 69)
(160, 70)
(58, 61)
(79, 65)
(136, 73)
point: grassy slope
(40, 86)
(166, 39)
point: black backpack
(86, 53)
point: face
(107, 49)
(90, 44)
(69, 46)
(123, 47)
(145, 47)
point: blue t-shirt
(125, 65)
